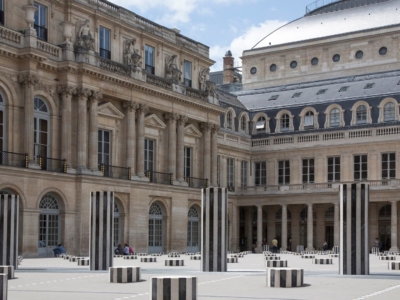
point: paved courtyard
(56, 278)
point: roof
(348, 20)
(326, 91)
(229, 99)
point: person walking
(325, 246)
(289, 245)
(274, 245)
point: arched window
(41, 128)
(330, 213)
(193, 237)
(385, 212)
(243, 123)
(309, 120)
(285, 122)
(389, 112)
(49, 225)
(260, 125)
(2, 124)
(155, 229)
(229, 120)
(334, 118)
(117, 225)
(361, 114)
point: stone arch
(59, 195)
(381, 107)
(328, 114)
(278, 120)
(48, 99)
(255, 119)
(303, 114)
(163, 204)
(10, 93)
(354, 112)
(233, 114)
(17, 190)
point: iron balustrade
(188, 82)
(197, 183)
(41, 32)
(12, 159)
(52, 164)
(231, 188)
(115, 171)
(150, 69)
(105, 53)
(159, 177)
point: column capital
(28, 79)
(130, 105)
(83, 93)
(216, 128)
(206, 126)
(143, 108)
(96, 96)
(172, 117)
(66, 90)
(182, 120)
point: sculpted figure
(84, 37)
(203, 79)
(211, 87)
(171, 69)
(131, 55)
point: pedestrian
(274, 245)
(126, 249)
(59, 250)
(131, 251)
(380, 246)
(289, 245)
(119, 250)
(325, 246)
(264, 245)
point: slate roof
(229, 99)
(384, 84)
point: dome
(335, 19)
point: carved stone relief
(84, 38)
(172, 71)
(131, 55)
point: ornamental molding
(109, 110)
(12, 78)
(191, 130)
(154, 121)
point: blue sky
(222, 25)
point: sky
(222, 25)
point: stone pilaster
(259, 228)
(336, 225)
(393, 227)
(131, 108)
(310, 227)
(94, 130)
(284, 227)
(143, 109)
(214, 154)
(172, 118)
(206, 127)
(81, 162)
(66, 122)
(180, 149)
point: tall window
(188, 73)
(308, 170)
(218, 170)
(104, 146)
(389, 112)
(361, 114)
(284, 172)
(334, 169)
(243, 124)
(260, 173)
(260, 125)
(360, 167)
(2, 124)
(49, 225)
(285, 122)
(41, 128)
(41, 21)
(388, 165)
(105, 47)
(231, 174)
(148, 155)
(149, 59)
(309, 120)
(188, 162)
(243, 174)
(334, 118)
(1, 12)
(229, 120)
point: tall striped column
(214, 229)
(354, 256)
(101, 230)
(9, 209)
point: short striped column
(335, 249)
(148, 259)
(9, 270)
(142, 254)
(231, 260)
(4, 286)
(101, 230)
(174, 262)
(124, 274)
(173, 287)
(285, 277)
(272, 258)
(354, 248)
(83, 262)
(214, 229)
(9, 210)
(74, 258)
(308, 256)
(322, 261)
(387, 257)
(394, 265)
(334, 255)
(159, 254)
(276, 263)
(374, 250)
(195, 257)
(173, 254)
(130, 257)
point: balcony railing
(159, 81)
(159, 177)
(150, 69)
(197, 183)
(115, 67)
(41, 32)
(52, 164)
(188, 82)
(115, 172)
(105, 53)
(12, 159)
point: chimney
(229, 70)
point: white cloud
(246, 41)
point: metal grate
(12, 159)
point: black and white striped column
(285, 277)
(354, 251)
(9, 270)
(173, 287)
(3, 286)
(124, 274)
(214, 231)
(9, 209)
(101, 230)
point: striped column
(285, 277)
(214, 230)
(354, 256)
(3, 286)
(173, 287)
(9, 209)
(101, 230)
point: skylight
(344, 89)
(321, 92)
(296, 95)
(369, 86)
(273, 97)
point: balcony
(12, 159)
(115, 172)
(52, 164)
(41, 32)
(105, 53)
(150, 69)
(197, 183)
(188, 82)
(159, 177)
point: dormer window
(243, 124)
(285, 122)
(334, 118)
(260, 125)
(361, 114)
(273, 97)
(389, 112)
(321, 92)
(229, 120)
(309, 120)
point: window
(309, 120)
(260, 173)
(41, 128)
(229, 120)
(230, 174)
(253, 70)
(149, 155)
(219, 170)
(308, 170)
(149, 59)
(2, 125)
(285, 122)
(188, 73)
(321, 92)
(382, 51)
(388, 165)
(105, 43)
(243, 123)
(334, 169)
(334, 118)
(260, 125)
(343, 89)
(273, 97)
(41, 21)
(104, 147)
(360, 167)
(293, 64)
(314, 61)
(369, 85)
(272, 68)
(361, 114)
(243, 173)
(336, 58)
(284, 172)
(296, 95)
(389, 112)
(1, 12)
(188, 162)
(359, 54)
